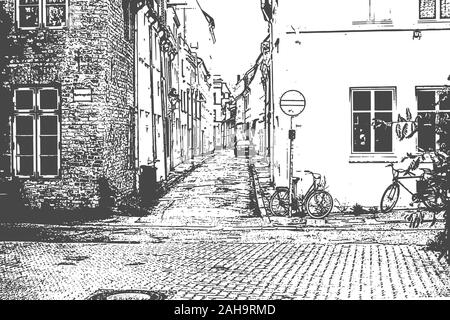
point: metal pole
(290, 171)
(271, 131)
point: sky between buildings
(240, 29)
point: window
(430, 103)
(369, 104)
(55, 13)
(431, 9)
(128, 20)
(31, 14)
(36, 132)
(183, 101)
(372, 12)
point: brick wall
(95, 135)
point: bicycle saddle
(315, 175)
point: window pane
(361, 100)
(445, 9)
(24, 125)
(383, 134)
(361, 132)
(445, 101)
(25, 166)
(24, 99)
(427, 134)
(383, 100)
(24, 146)
(29, 13)
(426, 100)
(49, 125)
(49, 146)
(443, 136)
(49, 166)
(427, 9)
(56, 13)
(48, 99)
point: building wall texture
(96, 137)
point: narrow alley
(218, 194)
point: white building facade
(356, 60)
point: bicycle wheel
(319, 204)
(433, 201)
(279, 202)
(390, 198)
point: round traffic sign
(292, 103)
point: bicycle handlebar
(315, 175)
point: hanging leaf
(404, 132)
(408, 114)
(398, 130)
(412, 131)
(414, 165)
(401, 119)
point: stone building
(73, 123)
(104, 90)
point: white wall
(144, 90)
(323, 67)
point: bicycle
(428, 194)
(317, 202)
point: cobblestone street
(219, 193)
(205, 240)
(218, 270)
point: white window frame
(37, 113)
(18, 16)
(437, 15)
(372, 155)
(437, 90)
(42, 17)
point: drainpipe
(152, 98)
(136, 105)
(271, 106)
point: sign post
(292, 103)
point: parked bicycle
(317, 202)
(427, 193)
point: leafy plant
(438, 244)
(437, 177)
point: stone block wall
(96, 137)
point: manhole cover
(128, 295)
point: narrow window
(28, 14)
(430, 103)
(427, 9)
(445, 9)
(36, 132)
(55, 13)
